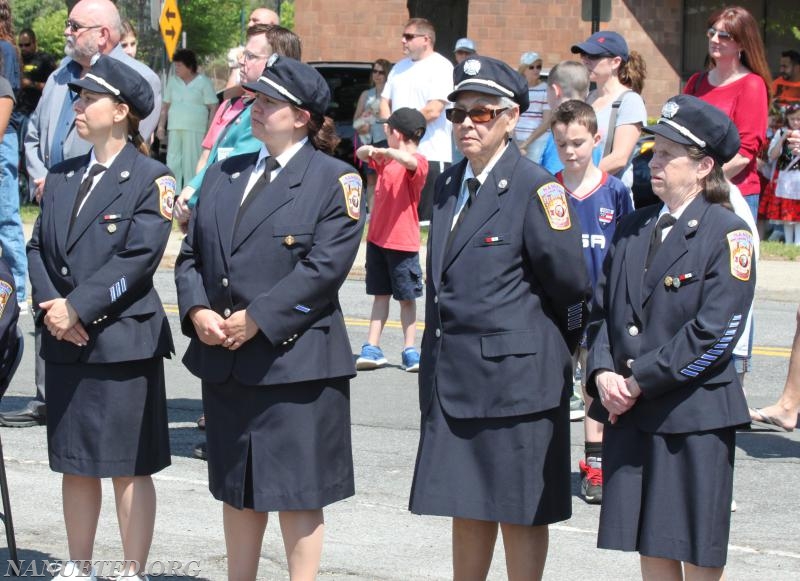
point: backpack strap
(612, 123)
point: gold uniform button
(289, 240)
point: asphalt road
(372, 536)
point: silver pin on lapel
(502, 183)
(692, 223)
(448, 180)
(125, 175)
(235, 175)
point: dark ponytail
(322, 133)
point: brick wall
(364, 30)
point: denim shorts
(393, 272)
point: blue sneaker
(411, 360)
(371, 358)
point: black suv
(347, 80)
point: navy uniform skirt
(106, 420)
(668, 495)
(512, 470)
(284, 447)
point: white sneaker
(71, 571)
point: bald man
(93, 27)
(257, 16)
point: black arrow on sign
(169, 32)
(170, 15)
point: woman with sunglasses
(505, 301)
(365, 119)
(534, 124)
(619, 75)
(105, 221)
(737, 82)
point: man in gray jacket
(93, 28)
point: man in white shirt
(422, 81)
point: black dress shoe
(24, 418)
(199, 451)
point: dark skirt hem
(272, 503)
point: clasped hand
(231, 333)
(617, 394)
(63, 323)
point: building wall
(364, 30)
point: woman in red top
(737, 82)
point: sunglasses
(378, 72)
(533, 67)
(76, 26)
(721, 34)
(480, 115)
(408, 37)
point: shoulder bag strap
(612, 123)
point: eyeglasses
(251, 56)
(721, 34)
(532, 67)
(76, 26)
(408, 37)
(480, 115)
(378, 72)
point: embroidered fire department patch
(740, 243)
(554, 200)
(351, 187)
(166, 195)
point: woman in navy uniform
(105, 221)
(506, 297)
(258, 278)
(671, 305)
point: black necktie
(472, 191)
(270, 164)
(83, 190)
(664, 222)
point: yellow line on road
(765, 351)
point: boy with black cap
(393, 240)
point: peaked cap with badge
(484, 74)
(687, 120)
(287, 79)
(109, 76)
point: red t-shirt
(745, 102)
(393, 222)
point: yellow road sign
(170, 25)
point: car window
(346, 83)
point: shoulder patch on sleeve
(5, 291)
(740, 243)
(351, 188)
(166, 195)
(554, 200)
